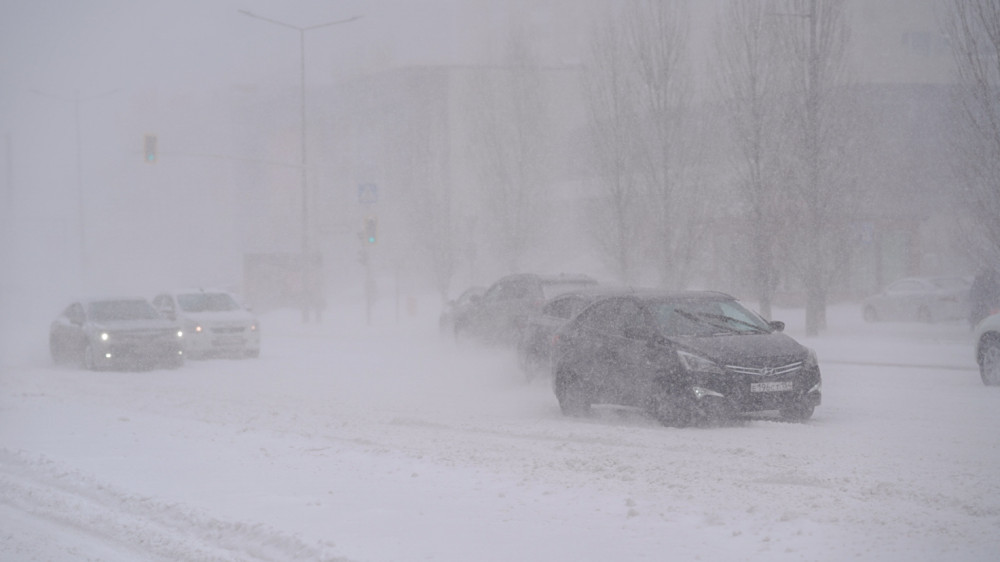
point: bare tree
(511, 127)
(973, 30)
(816, 48)
(750, 79)
(613, 218)
(656, 35)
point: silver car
(117, 333)
(922, 299)
(214, 322)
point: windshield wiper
(725, 318)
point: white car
(214, 322)
(988, 349)
(923, 299)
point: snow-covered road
(385, 443)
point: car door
(69, 330)
(626, 353)
(584, 344)
(501, 309)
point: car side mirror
(777, 325)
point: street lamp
(302, 62)
(76, 99)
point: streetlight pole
(82, 226)
(302, 100)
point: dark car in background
(115, 333)
(685, 358)
(455, 308)
(534, 348)
(502, 313)
(922, 299)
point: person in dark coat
(984, 296)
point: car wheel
(574, 400)
(924, 314)
(797, 413)
(870, 315)
(989, 361)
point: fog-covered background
(794, 153)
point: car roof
(650, 294)
(547, 279)
(195, 290)
(111, 298)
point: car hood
(135, 325)
(736, 349)
(219, 316)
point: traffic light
(149, 148)
(371, 230)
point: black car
(685, 357)
(115, 333)
(502, 313)
(455, 308)
(534, 348)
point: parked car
(115, 333)
(456, 308)
(214, 321)
(534, 348)
(987, 340)
(685, 358)
(923, 299)
(501, 314)
(984, 296)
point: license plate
(773, 386)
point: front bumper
(138, 354)
(221, 340)
(740, 394)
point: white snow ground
(384, 443)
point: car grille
(781, 370)
(139, 337)
(229, 330)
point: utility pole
(302, 103)
(80, 198)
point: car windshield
(207, 302)
(707, 318)
(106, 311)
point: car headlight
(698, 364)
(192, 328)
(180, 333)
(105, 336)
(253, 327)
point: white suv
(214, 322)
(988, 349)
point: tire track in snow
(141, 528)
